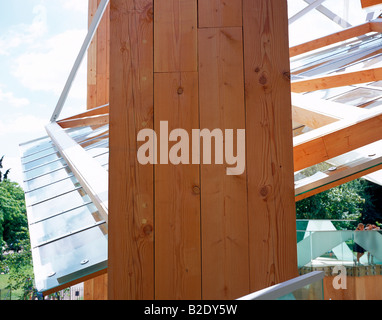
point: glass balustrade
(321, 247)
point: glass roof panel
(70, 258)
(338, 168)
(68, 234)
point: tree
(13, 219)
(346, 201)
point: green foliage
(19, 265)
(347, 201)
(13, 219)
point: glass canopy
(68, 234)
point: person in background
(357, 248)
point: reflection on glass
(62, 203)
(64, 224)
(44, 169)
(46, 179)
(70, 258)
(41, 161)
(48, 151)
(29, 148)
(339, 167)
(52, 190)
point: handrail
(282, 289)
(88, 39)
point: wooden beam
(337, 80)
(370, 3)
(376, 25)
(316, 113)
(270, 181)
(131, 194)
(102, 119)
(90, 113)
(337, 138)
(331, 39)
(337, 183)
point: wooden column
(98, 60)
(98, 95)
(131, 185)
(190, 231)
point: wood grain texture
(177, 194)
(370, 3)
(220, 13)
(131, 265)
(337, 80)
(224, 198)
(330, 39)
(271, 206)
(175, 34)
(335, 139)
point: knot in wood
(196, 189)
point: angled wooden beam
(316, 113)
(376, 25)
(370, 3)
(337, 80)
(93, 112)
(337, 182)
(86, 121)
(331, 39)
(336, 138)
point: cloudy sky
(39, 41)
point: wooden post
(98, 95)
(190, 231)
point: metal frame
(90, 174)
(92, 30)
(282, 289)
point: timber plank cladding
(190, 231)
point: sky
(39, 42)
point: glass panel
(94, 133)
(313, 291)
(64, 224)
(337, 168)
(358, 96)
(38, 145)
(70, 258)
(41, 161)
(44, 169)
(38, 155)
(52, 190)
(48, 178)
(322, 245)
(335, 58)
(60, 204)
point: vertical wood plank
(130, 268)
(271, 203)
(175, 34)
(92, 61)
(102, 60)
(177, 194)
(220, 13)
(224, 201)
